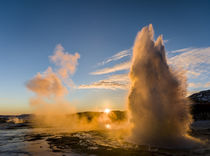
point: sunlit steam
(66, 62)
(157, 102)
(49, 104)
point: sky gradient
(97, 30)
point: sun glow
(107, 111)
(108, 126)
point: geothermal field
(159, 120)
(19, 136)
(104, 78)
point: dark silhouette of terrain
(200, 107)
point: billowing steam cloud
(157, 104)
(50, 83)
(66, 62)
(47, 84)
(49, 104)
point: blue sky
(97, 30)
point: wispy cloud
(197, 64)
(117, 56)
(194, 87)
(120, 81)
(181, 50)
(120, 55)
(199, 85)
(118, 67)
(195, 61)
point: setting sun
(108, 126)
(107, 111)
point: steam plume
(47, 84)
(67, 62)
(157, 104)
(49, 103)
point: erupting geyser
(157, 101)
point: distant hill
(202, 97)
(200, 107)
